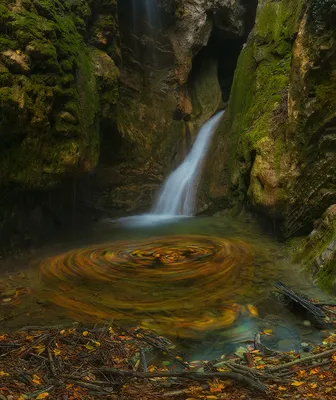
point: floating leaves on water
(203, 274)
(267, 332)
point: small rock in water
(306, 323)
(305, 347)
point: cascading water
(178, 195)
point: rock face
(317, 253)
(276, 148)
(53, 98)
(166, 92)
(111, 89)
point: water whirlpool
(178, 284)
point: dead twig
(302, 360)
(197, 376)
(51, 362)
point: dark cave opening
(224, 47)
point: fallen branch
(197, 376)
(302, 360)
(51, 362)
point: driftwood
(301, 303)
(197, 376)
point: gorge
(132, 204)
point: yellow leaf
(313, 385)
(39, 349)
(111, 330)
(301, 373)
(89, 347)
(253, 310)
(69, 386)
(333, 358)
(314, 371)
(85, 333)
(151, 368)
(42, 396)
(3, 373)
(211, 397)
(268, 332)
(281, 388)
(57, 352)
(309, 395)
(62, 332)
(297, 383)
(97, 343)
(328, 390)
(257, 359)
(36, 379)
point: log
(303, 304)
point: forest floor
(109, 362)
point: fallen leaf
(333, 358)
(297, 383)
(42, 396)
(267, 332)
(253, 310)
(211, 397)
(85, 333)
(314, 371)
(36, 379)
(39, 349)
(301, 373)
(2, 337)
(3, 373)
(57, 352)
(281, 388)
(216, 386)
(89, 347)
(313, 385)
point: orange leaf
(42, 396)
(333, 358)
(301, 373)
(314, 371)
(36, 379)
(313, 385)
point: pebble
(306, 323)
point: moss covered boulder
(50, 109)
(275, 149)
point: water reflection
(204, 281)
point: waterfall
(177, 198)
(178, 195)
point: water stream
(178, 195)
